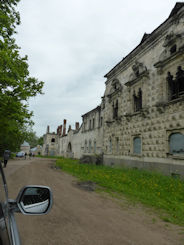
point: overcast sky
(72, 44)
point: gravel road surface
(81, 217)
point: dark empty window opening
(94, 146)
(173, 49)
(101, 121)
(110, 145)
(93, 123)
(115, 110)
(85, 146)
(90, 146)
(137, 73)
(137, 100)
(175, 86)
(52, 140)
(69, 147)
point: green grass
(164, 193)
(52, 157)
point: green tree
(40, 140)
(16, 86)
(31, 138)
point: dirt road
(80, 217)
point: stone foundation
(170, 167)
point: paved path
(80, 217)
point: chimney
(60, 130)
(48, 129)
(77, 126)
(64, 127)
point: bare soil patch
(85, 185)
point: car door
(5, 235)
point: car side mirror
(34, 200)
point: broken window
(89, 124)
(90, 146)
(175, 86)
(115, 109)
(137, 145)
(85, 146)
(137, 100)
(94, 146)
(52, 140)
(110, 145)
(93, 123)
(101, 121)
(176, 143)
(180, 80)
(173, 49)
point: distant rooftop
(25, 144)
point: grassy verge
(164, 193)
(52, 157)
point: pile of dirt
(86, 185)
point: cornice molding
(137, 79)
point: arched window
(176, 143)
(137, 145)
(52, 140)
(69, 147)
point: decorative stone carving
(139, 71)
(116, 89)
(173, 46)
(170, 39)
(138, 68)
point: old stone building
(86, 139)
(140, 122)
(69, 144)
(50, 143)
(92, 132)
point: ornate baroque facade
(140, 122)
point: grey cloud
(72, 44)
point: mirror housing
(34, 200)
